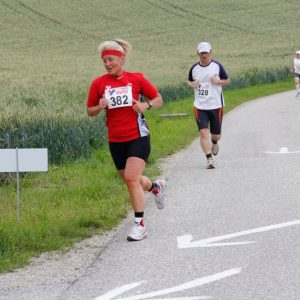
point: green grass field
(44, 43)
(48, 54)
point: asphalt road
(230, 233)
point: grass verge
(86, 197)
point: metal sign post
(23, 160)
(18, 185)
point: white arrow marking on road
(185, 241)
(188, 285)
(181, 298)
(120, 290)
(283, 150)
(177, 298)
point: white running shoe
(215, 149)
(159, 192)
(210, 164)
(137, 233)
(298, 93)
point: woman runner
(119, 93)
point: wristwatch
(149, 104)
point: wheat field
(48, 42)
(48, 49)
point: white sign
(24, 160)
(185, 241)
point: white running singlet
(207, 95)
(297, 65)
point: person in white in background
(207, 78)
(295, 68)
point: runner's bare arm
(95, 110)
(192, 83)
(157, 101)
(292, 68)
(140, 107)
(223, 82)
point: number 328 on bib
(203, 90)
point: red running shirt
(123, 123)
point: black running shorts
(296, 75)
(136, 148)
(209, 119)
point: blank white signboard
(29, 160)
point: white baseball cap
(298, 52)
(204, 47)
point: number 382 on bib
(119, 96)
